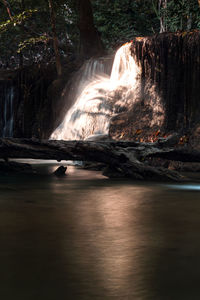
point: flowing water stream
(7, 115)
(93, 108)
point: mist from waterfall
(93, 108)
(8, 112)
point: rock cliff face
(171, 62)
(31, 107)
(38, 100)
(169, 89)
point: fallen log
(123, 159)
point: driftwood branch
(123, 159)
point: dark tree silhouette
(90, 41)
(55, 38)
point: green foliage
(17, 20)
(31, 42)
(181, 15)
(119, 22)
(28, 33)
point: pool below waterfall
(86, 237)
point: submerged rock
(60, 171)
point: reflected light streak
(188, 187)
(110, 237)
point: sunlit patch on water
(38, 161)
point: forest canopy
(29, 29)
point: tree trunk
(90, 41)
(8, 9)
(55, 38)
(162, 12)
(123, 159)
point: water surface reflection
(86, 237)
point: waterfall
(94, 105)
(7, 113)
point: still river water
(87, 237)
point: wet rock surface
(60, 171)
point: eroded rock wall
(39, 99)
(171, 63)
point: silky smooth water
(97, 93)
(87, 237)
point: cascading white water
(124, 70)
(93, 108)
(8, 118)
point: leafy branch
(16, 20)
(33, 41)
